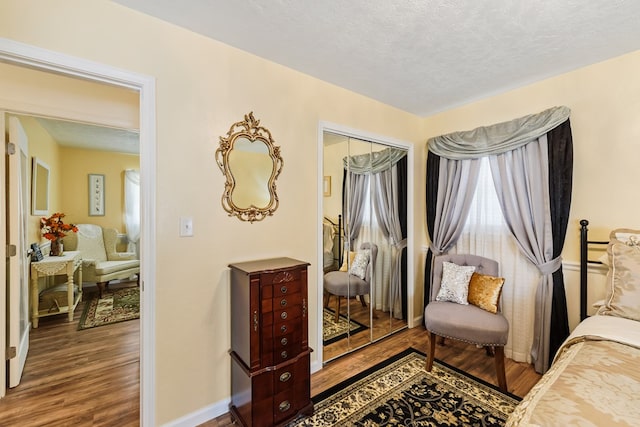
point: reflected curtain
(353, 207)
(385, 204)
(132, 208)
(386, 170)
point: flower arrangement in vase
(54, 229)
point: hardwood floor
(78, 378)
(91, 377)
(382, 323)
(521, 377)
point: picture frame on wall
(326, 186)
(96, 195)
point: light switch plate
(186, 226)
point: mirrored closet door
(364, 242)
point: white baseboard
(202, 415)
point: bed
(595, 377)
(331, 243)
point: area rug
(332, 331)
(115, 306)
(400, 392)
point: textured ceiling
(90, 137)
(422, 56)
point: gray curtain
(456, 187)
(385, 204)
(498, 138)
(374, 162)
(526, 207)
(354, 213)
(521, 179)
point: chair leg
(101, 286)
(364, 304)
(432, 351)
(327, 297)
(338, 309)
(500, 372)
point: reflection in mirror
(251, 164)
(39, 188)
(370, 212)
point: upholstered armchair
(477, 319)
(101, 262)
(347, 283)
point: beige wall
(43, 147)
(69, 169)
(203, 87)
(76, 166)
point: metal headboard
(584, 262)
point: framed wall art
(326, 186)
(96, 195)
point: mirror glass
(251, 163)
(251, 167)
(360, 215)
(40, 188)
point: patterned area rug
(399, 392)
(114, 306)
(332, 331)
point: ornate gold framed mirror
(251, 164)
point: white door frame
(366, 136)
(45, 60)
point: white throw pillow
(454, 286)
(359, 264)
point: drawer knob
(285, 377)
(283, 303)
(284, 406)
(283, 328)
(283, 289)
(284, 341)
(284, 355)
(283, 315)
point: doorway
(46, 61)
(364, 177)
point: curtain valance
(375, 162)
(498, 138)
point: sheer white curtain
(486, 233)
(132, 208)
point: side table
(67, 264)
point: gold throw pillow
(345, 266)
(484, 291)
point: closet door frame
(323, 127)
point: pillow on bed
(454, 286)
(345, 266)
(484, 291)
(623, 279)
